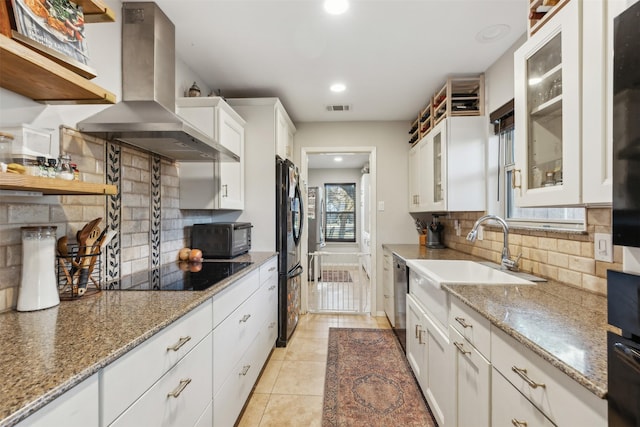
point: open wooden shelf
(53, 186)
(96, 11)
(536, 24)
(25, 71)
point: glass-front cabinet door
(547, 113)
(437, 160)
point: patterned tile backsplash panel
(562, 256)
(145, 212)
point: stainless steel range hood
(146, 115)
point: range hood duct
(146, 115)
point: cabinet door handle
(272, 287)
(225, 187)
(518, 423)
(417, 330)
(420, 337)
(460, 347)
(182, 341)
(522, 373)
(245, 318)
(272, 269)
(463, 322)
(272, 325)
(183, 384)
(244, 370)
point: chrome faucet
(506, 261)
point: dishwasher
(400, 290)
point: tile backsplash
(151, 227)
(567, 257)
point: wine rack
(540, 11)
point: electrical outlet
(381, 205)
(602, 247)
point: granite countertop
(47, 352)
(564, 325)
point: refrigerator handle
(295, 271)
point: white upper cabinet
(218, 185)
(284, 134)
(547, 112)
(446, 168)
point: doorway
(339, 255)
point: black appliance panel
(623, 301)
(626, 128)
(400, 291)
(170, 277)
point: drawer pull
(272, 269)
(182, 341)
(245, 318)
(463, 322)
(245, 369)
(518, 423)
(183, 384)
(272, 287)
(522, 373)
(460, 347)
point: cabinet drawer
(561, 399)
(189, 381)
(471, 325)
(78, 407)
(510, 408)
(228, 402)
(127, 378)
(269, 271)
(233, 336)
(226, 301)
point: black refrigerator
(288, 232)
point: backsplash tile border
(155, 213)
(113, 176)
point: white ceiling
(392, 54)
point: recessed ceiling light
(337, 159)
(336, 7)
(493, 33)
(337, 87)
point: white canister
(38, 285)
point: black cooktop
(171, 277)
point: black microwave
(626, 128)
(222, 239)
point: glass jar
(64, 170)
(38, 286)
(6, 142)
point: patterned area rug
(369, 382)
(336, 276)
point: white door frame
(304, 174)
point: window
(340, 214)
(548, 218)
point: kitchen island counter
(48, 352)
(564, 325)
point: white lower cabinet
(472, 384)
(429, 355)
(556, 395)
(179, 397)
(510, 408)
(129, 377)
(242, 339)
(78, 407)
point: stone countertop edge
(23, 393)
(595, 380)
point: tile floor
(289, 391)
